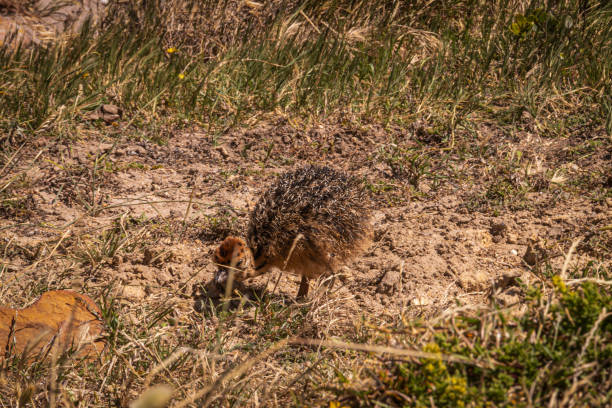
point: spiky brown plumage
(311, 221)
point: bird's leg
(303, 288)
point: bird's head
(232, 256)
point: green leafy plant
(559, 350)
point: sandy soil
(165, 206)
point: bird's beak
(221, 277)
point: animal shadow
(210, 298)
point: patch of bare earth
(145, 217)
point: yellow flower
(458, 385)
(171, 50)
(336, 404)
(85, 75)
(181, 76)
(431, 348)
(559, 284)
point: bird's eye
(240, 263)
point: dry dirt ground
(132, 214)
(143, 217)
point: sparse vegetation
(556, 351)
(373, 60)
(465, 111)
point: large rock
(59, 320)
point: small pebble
(514, 252)
(420, 301)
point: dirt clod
(223, 151)
(507, 278)
(111, 109)
(474, 280)
(134, 292)
(535, 253)
(506, 299)
(108, 113)
(498, 228)
(512, 238)
(389, 282)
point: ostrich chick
(310, 222)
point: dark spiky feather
(328, 208)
